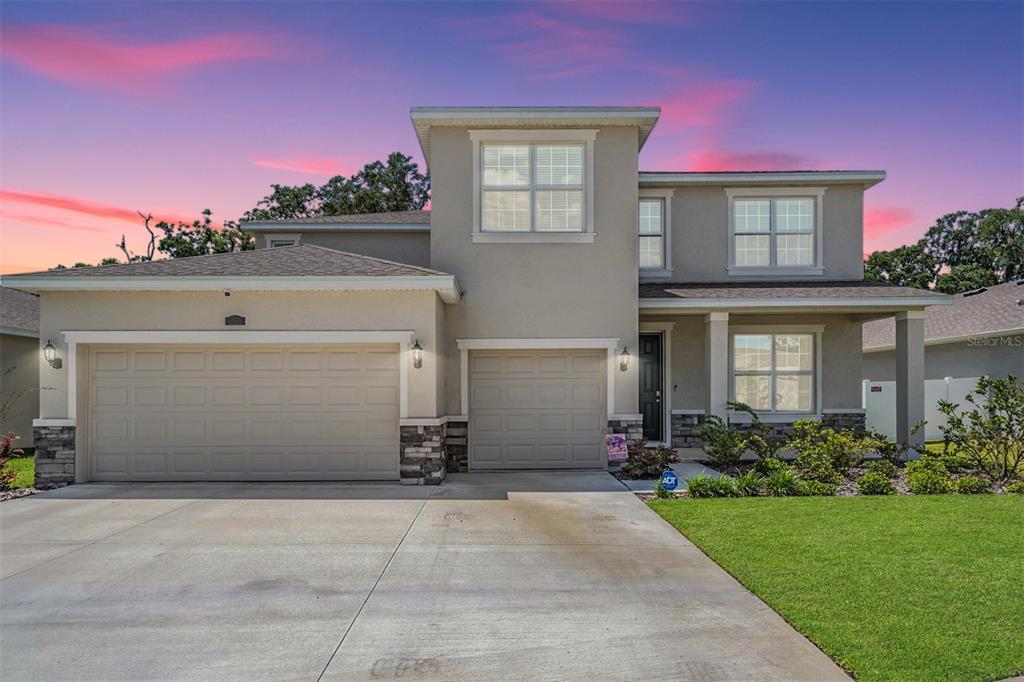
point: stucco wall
(199, 311)
(958, 360)
(540, 290)
(19, 376)
(840, 356)
(404, 247)
(700, 216)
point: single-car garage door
(243, 413)
(537, 409)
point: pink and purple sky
(171, 108)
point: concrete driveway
(490, 576)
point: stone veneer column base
(457, 445)
(855, 421)
(684, 426)
(422, 459)
(55, 455)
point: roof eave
(284, 227)
(867, 178)
(18, 331)
(833, 304)
(943, 340)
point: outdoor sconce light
(50, 353)
(624, 359)
(417, 354)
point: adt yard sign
(669, 480)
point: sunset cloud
(633, 12)
(879, 221)
(710, 103)
(48, 222)
(84, 56)
(309, 165)
(79, 206)
(720, 160)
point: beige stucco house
(554, 293)
(19, 363)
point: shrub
(759, 438)
(750, 483)
(875, 483)
(1017, 488)
(954, 461)
(814, 464)
(767, 465)
(723, 443)
(928, 476)
(889, 451)
(661, 492)
(7, 451)
(816, 488)
(644, 462)
(814, 442)
(781, 483)
(883, 466)
(709, 486)
(991, 433)
(970, 485)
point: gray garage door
(537, 409)
(243, 413)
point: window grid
(773, 232)
(652, 233)
(773, 374)
(553, 185)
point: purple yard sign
(617, 451)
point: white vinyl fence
(880, 404)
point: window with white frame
(773, 231)
(274, 243)
(652, 233)
(774, 372)
(531, 187)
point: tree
(961, 278)
(200, 238)
(991, 239)
(395, 185)
(906, 266)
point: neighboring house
(981, 334)
(19, 363)
(558, 294)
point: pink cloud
(81, 206)
(626, 12)
(720, 160)
(82, 56)
(309, 165)
(879, 221)
(48, 222)
(710, 103)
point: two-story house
(553, 293)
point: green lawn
(26, 468)
(893, 588)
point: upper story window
(274, 241)
(533, 185)
(775, 372)
(775, 231)
(652, 233)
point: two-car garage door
(243, 413)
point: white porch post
(716, 363)
(910, 376)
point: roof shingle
(19, 310)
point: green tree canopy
(961, 278)
(905, 266)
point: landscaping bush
(991, 433)
(781, 483)
(814, 464)
(954, 461)
(815, 442)
(875, 483)
(708, 486)
(928, 476)
(971, 485)
(750, 483)
(767, 465)
(1017, 488)
(644, 462)
(889, 451)
(7, 452)
(661, 492)
(759, 438)
(883, 466)
(723, 443)
(816, 488)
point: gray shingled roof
(287, 261)
(773, 290)
(996, 309)
(19, 310)
(389, 218)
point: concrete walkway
(490, 576)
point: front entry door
(651, 388)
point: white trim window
(652, 233)
(775, 230)
(531, 188)
(276, 243)
(775, 372)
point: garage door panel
(246, 413)
(537, 409)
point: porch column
(716, 363)
(910, 376)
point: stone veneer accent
(633, 428)
(457, 445)
(684, 425)
(422, 458)
(55, 455)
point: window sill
(533, 237)
(760, 272)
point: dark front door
(651, 388)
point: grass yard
(26, 468)
(892, 588)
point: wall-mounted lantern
(417, 354)
(50, 353)
(624, 359)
